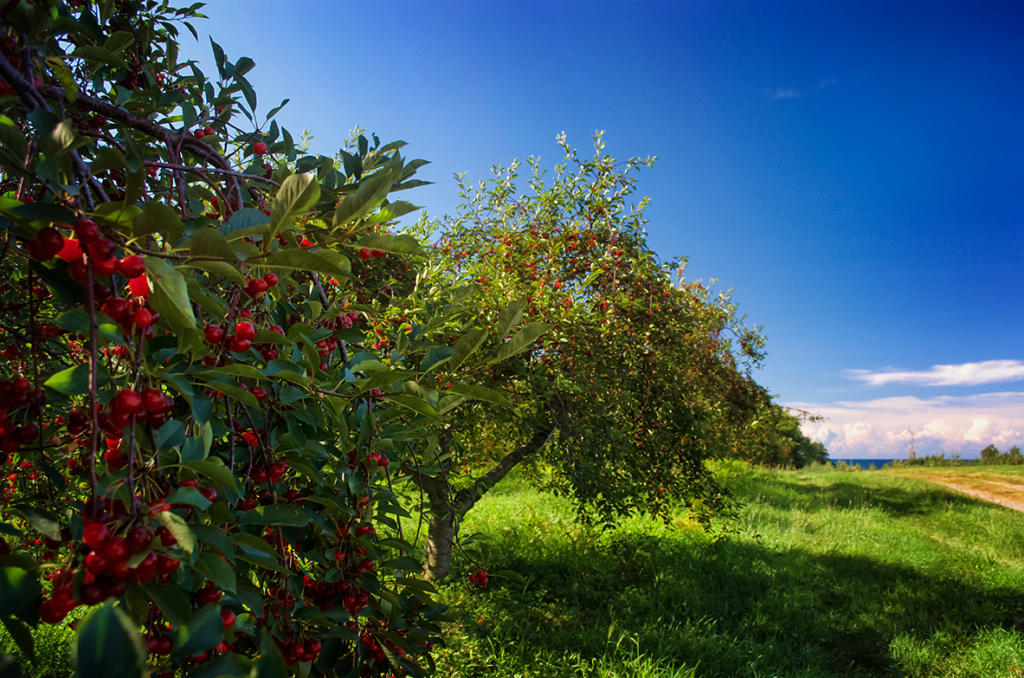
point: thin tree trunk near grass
(444, 517)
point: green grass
(832, 574)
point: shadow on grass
(919, 499)
(732, 609)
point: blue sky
(854, 171)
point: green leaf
(371, 192)
(404, 563)
(522, 340)
(236, 393)
(245, 222)
(99, 55)
(173, 602)
(480, 393)
(77, 320)
(250, 596)
(12, 138)
(237, 369)
(465, 346)
(510, 574)
(107, 158)
(398, 244)
(44, 522)
(179, 528)
(191, 496)
(297, 194)
(214, 469)
(392, 211)
(208, 242)
(22, 635)
(9, 667)
(275, 514)
(203, 631)
(436, 357)
(171, 434)
(75, 380)
(227, 664)
(415, 404)
(247, 91)
(217, 570)
(108, 645)
(170, 293)
(305, 260)
(509, 317)
(254, 543)
(221, 268)
(18, 589)
(271, 662)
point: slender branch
(190, 168)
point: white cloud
(943, 425)
(978, 430)
(787, 93)
(966, 374)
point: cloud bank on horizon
(967, 374)
(944, 424)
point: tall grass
(831, 574)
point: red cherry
(139, 539)
(51, 612)
(270, 279)
(259, 148)
(101, 250)
(277, 329)
(76, 269)
(91, 594)
(126, 401)
(132, 266)
(152, 400)
(365, 253)
(259, 392)
(277, 469)
(270, 354)
(260, 475)
(143, 318)
(116, 308)
(96, 562)
(117, 550)
(245, 330)
(229, 618)
(213, 334)
(21, 384)
(209, 493)
(96, 535)
(238, 345)
(50, 241)
(71, 250)
(139, 286)
(86, 231)
(166, 564)
(105, 267)
(209, 594)
(378, 254)
(166, 538)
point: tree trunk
(444, 517)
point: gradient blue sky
(854, 171)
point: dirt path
(981, 486)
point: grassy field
(831, 574)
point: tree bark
(445, 515)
